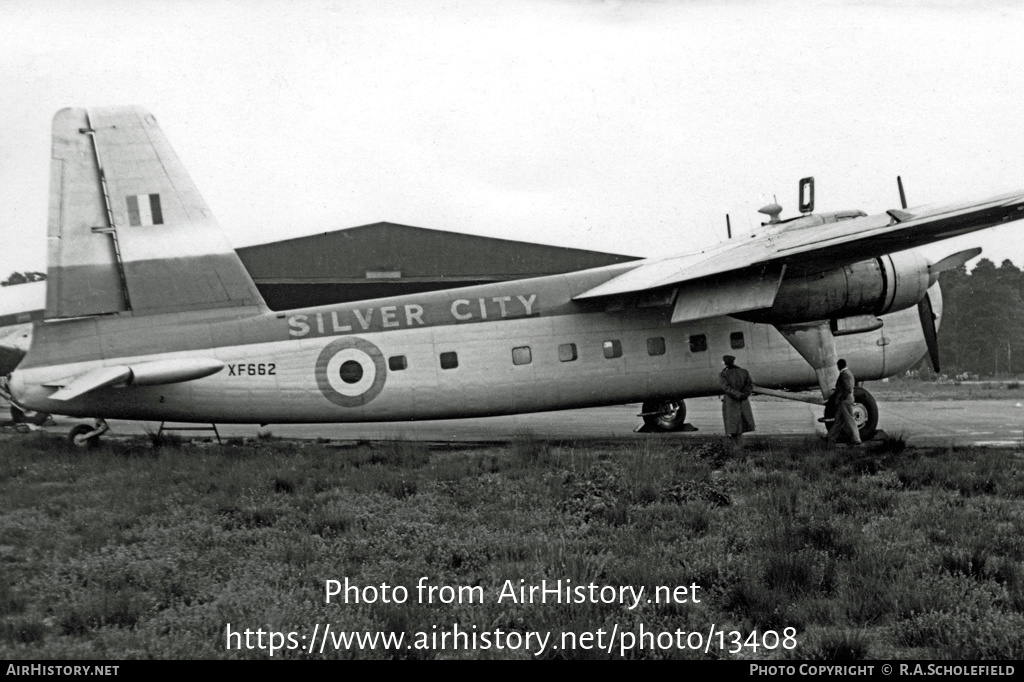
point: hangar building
(386, 259)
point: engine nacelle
(882, 285)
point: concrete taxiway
(994, 423)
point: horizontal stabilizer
(143, 374)
(173, 371)
(738, 293)
(90, 381)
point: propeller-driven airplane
(151, 315)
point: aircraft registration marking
(253, 369)
(347, 320)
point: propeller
(931, 336)
(928, 327)
(903, 197)
(924, 306)
(950, 263)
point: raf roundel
(350, 372)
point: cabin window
(656, 345)
(567, 352)
(522, 355)
(613, 349)
(698, 343)
(449, 360)
(736, 340)
(397, 363)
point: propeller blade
(903, 197)
(950, 263)
(931, 337)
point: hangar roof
(387, 251)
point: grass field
(897, 389)
(128, 551)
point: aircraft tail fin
(128, 230)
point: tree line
(982, 330)
(22, 278)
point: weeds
(893, 552)
(527, 449)
(844, 645)
(161, 439)
(22, 632)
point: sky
(628, 127)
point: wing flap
(750, 290)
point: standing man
(843, 395)
(736, 412)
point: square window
(397, 362)
(522, 355)
(567, 352)
(449, 360)
(656, 345)
(613, 349)
(736, 340)
(698, 343)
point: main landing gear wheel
(20, 416)
(865, 413)
(665, 415)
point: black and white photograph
(533, 330)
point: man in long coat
(843, 395)
(736, 413)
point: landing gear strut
(664, 415)
(86, 436)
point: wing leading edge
(813, 249)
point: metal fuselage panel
(382, 360)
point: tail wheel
(78, 436)
(20, 416)
(865, 413)
(665, 415)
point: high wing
(803, 247)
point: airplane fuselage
(505, 348)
